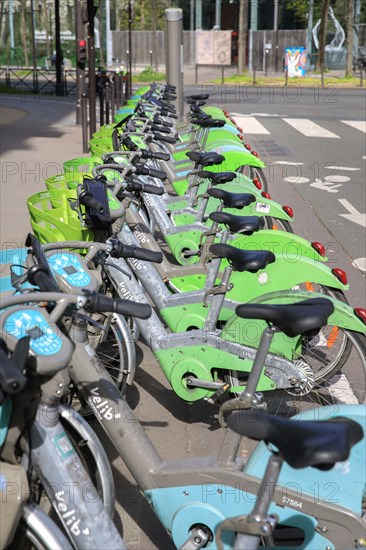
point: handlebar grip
(38, 275)
(158, 156)
(162, 129)
(87, 200)
(168, 139)
(100, 303)
(160, 174)
(153, 189)
(164, 112)
(11, 379)
(121, 250)
(165, 123)
(135, 185)
(161, 156)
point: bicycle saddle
(208, 123)
(243, 260)
(238, 224)
(302, 443)
(198, 102)
(217, 177)
(232, 200)
(306, 317)
(205, 159)
(199, 97)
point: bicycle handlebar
(168, 139)
(99, 303)
(11, 379)
(120, 250)
(144, 170)
(88, 200)
(137, 186)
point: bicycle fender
(343, 315)
(349, 475)
(288, 245)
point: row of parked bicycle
(245, 315)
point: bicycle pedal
(218, 393)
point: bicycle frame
(205, 490)
(52, 454)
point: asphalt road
(315, 140)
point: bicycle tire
(253, 172)
(88, 446)
(277, 224)
(35, 527)
(341, 380)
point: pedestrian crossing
(306, 127)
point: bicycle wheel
(91, 453)
(332, 366)
(253, 172)
(38, 531)
(107, 335)
(277, 225)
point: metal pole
(108, 33)
(34, 49)
(11, 30)
(130, 49)
(91, 65)
(174, 54)
(113, 98)
(309, 36)
(60, 90)
(218, 15)
(80, 71)
(275, 28)
(84, 121)
(254, 15)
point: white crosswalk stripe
(309, 128)
(250, 125)
(358, 124)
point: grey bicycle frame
(55, 460)
(151, 471)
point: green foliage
(141, 14)
(148, 75)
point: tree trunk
(154, 36)
(349, 55)
(323, 35)
(23, 33)
(242, 38)
(47, 27)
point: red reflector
(241, 137)
(240, 130)
(248, 146)
(288, 211)
(257, 183)
(255, 154)
(265, 195)
(319, 247)
(341, 275)
(361, 313)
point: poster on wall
(295, 61)
(213, 47)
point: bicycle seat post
(231, 442)
(258, 521)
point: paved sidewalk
(37, 136)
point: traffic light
(81, 52)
